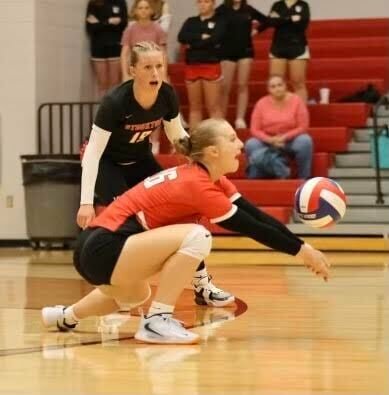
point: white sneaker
(206, 294)
(54, 316)
(163, 329)
(240, 123)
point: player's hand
(315, 260)
(205, 36)
(92, 19)
(296, 18)
(114, 20)
(85, 215)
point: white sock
(160, 308)
(70, 317)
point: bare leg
(114, 73)
(228, 70)
(278, 67)
(137, 262)
(195, 97)
(212, 95)
(244, 69)
(95, 304)
(100, 68)
(297, 74)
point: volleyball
(320, 202)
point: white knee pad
(197, 243)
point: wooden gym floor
(288, 333)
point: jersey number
(140, 136)
(169, 174)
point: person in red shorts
(202, 35)
(152, 229)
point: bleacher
(346, 55)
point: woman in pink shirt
(280, 121)
(144, 29)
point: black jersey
(131, 124)
(237, 41)
(289, 39)
(103, 33)
(199, 50)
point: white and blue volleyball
(320, 202)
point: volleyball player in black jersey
(237, 52)
(289, 51)
(118, 154)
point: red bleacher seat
(351, 115)
(339, 89)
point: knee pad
(197, 243)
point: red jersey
(181, 194)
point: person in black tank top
(289, 50)
(105, 23)
(118, 155)
(237, 52)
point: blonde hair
(203, 136)
(132, 13)
(141, 48)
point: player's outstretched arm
(98, 140)
(261, 216)
(272, 236)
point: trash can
(52, 197)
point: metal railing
(62, 127)
(383, 102)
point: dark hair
(204, 135)
(230, 3)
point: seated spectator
(143, 29)
(289, 50)
(279, 125)
(105, 22)
(202, 36)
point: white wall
(45, 58)
(17, 107)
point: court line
(241, 308)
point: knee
(298, 84)
(242, 88)
(251, 144)
(304, 143)
(197, 243)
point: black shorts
(97, 251)
(105, 52)
(114, 179)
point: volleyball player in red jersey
(139, 235)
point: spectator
(143, 29)
(289, 49)
(202, 36)
(162, 14)
(237, 52)
(105, 22)
(279, 122)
